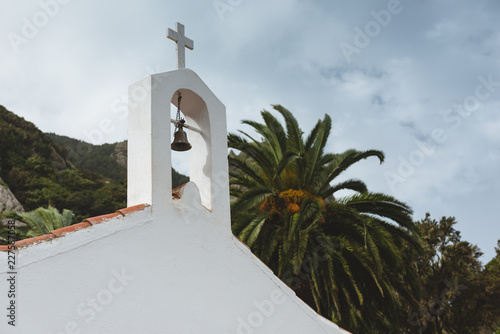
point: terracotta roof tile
(27, 242)
(30, 241)
(132, 209)
(100, 219)
(176, 192)
(75, 227)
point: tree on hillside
(340, 254)
(459, 295)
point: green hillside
(46, 169)
(108, 160)
(95, 158)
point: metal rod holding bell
(187, 126)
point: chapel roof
(88, 222)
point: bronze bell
(180, 142)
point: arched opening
(196, 161)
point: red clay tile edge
(72, 228)
(132, 209)
(100, 219)
(176, 192)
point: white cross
(182, 41)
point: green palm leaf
(42, 220)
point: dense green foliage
(38, 174)
(95, 158)
(459, 295)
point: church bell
(180, 142)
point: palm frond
(294, 133)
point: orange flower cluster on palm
(289, 200)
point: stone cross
(182, 41)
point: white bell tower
(149, 137)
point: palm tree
(41, 221)
(334, 252)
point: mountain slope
(47, 169)
(95, 158)
(109, 160)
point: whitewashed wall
(171, 268)
(176, 272)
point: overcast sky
(419, 80)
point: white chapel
(168, 263)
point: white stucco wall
(171, 268)
(177, 271)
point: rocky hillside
(8, 202)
